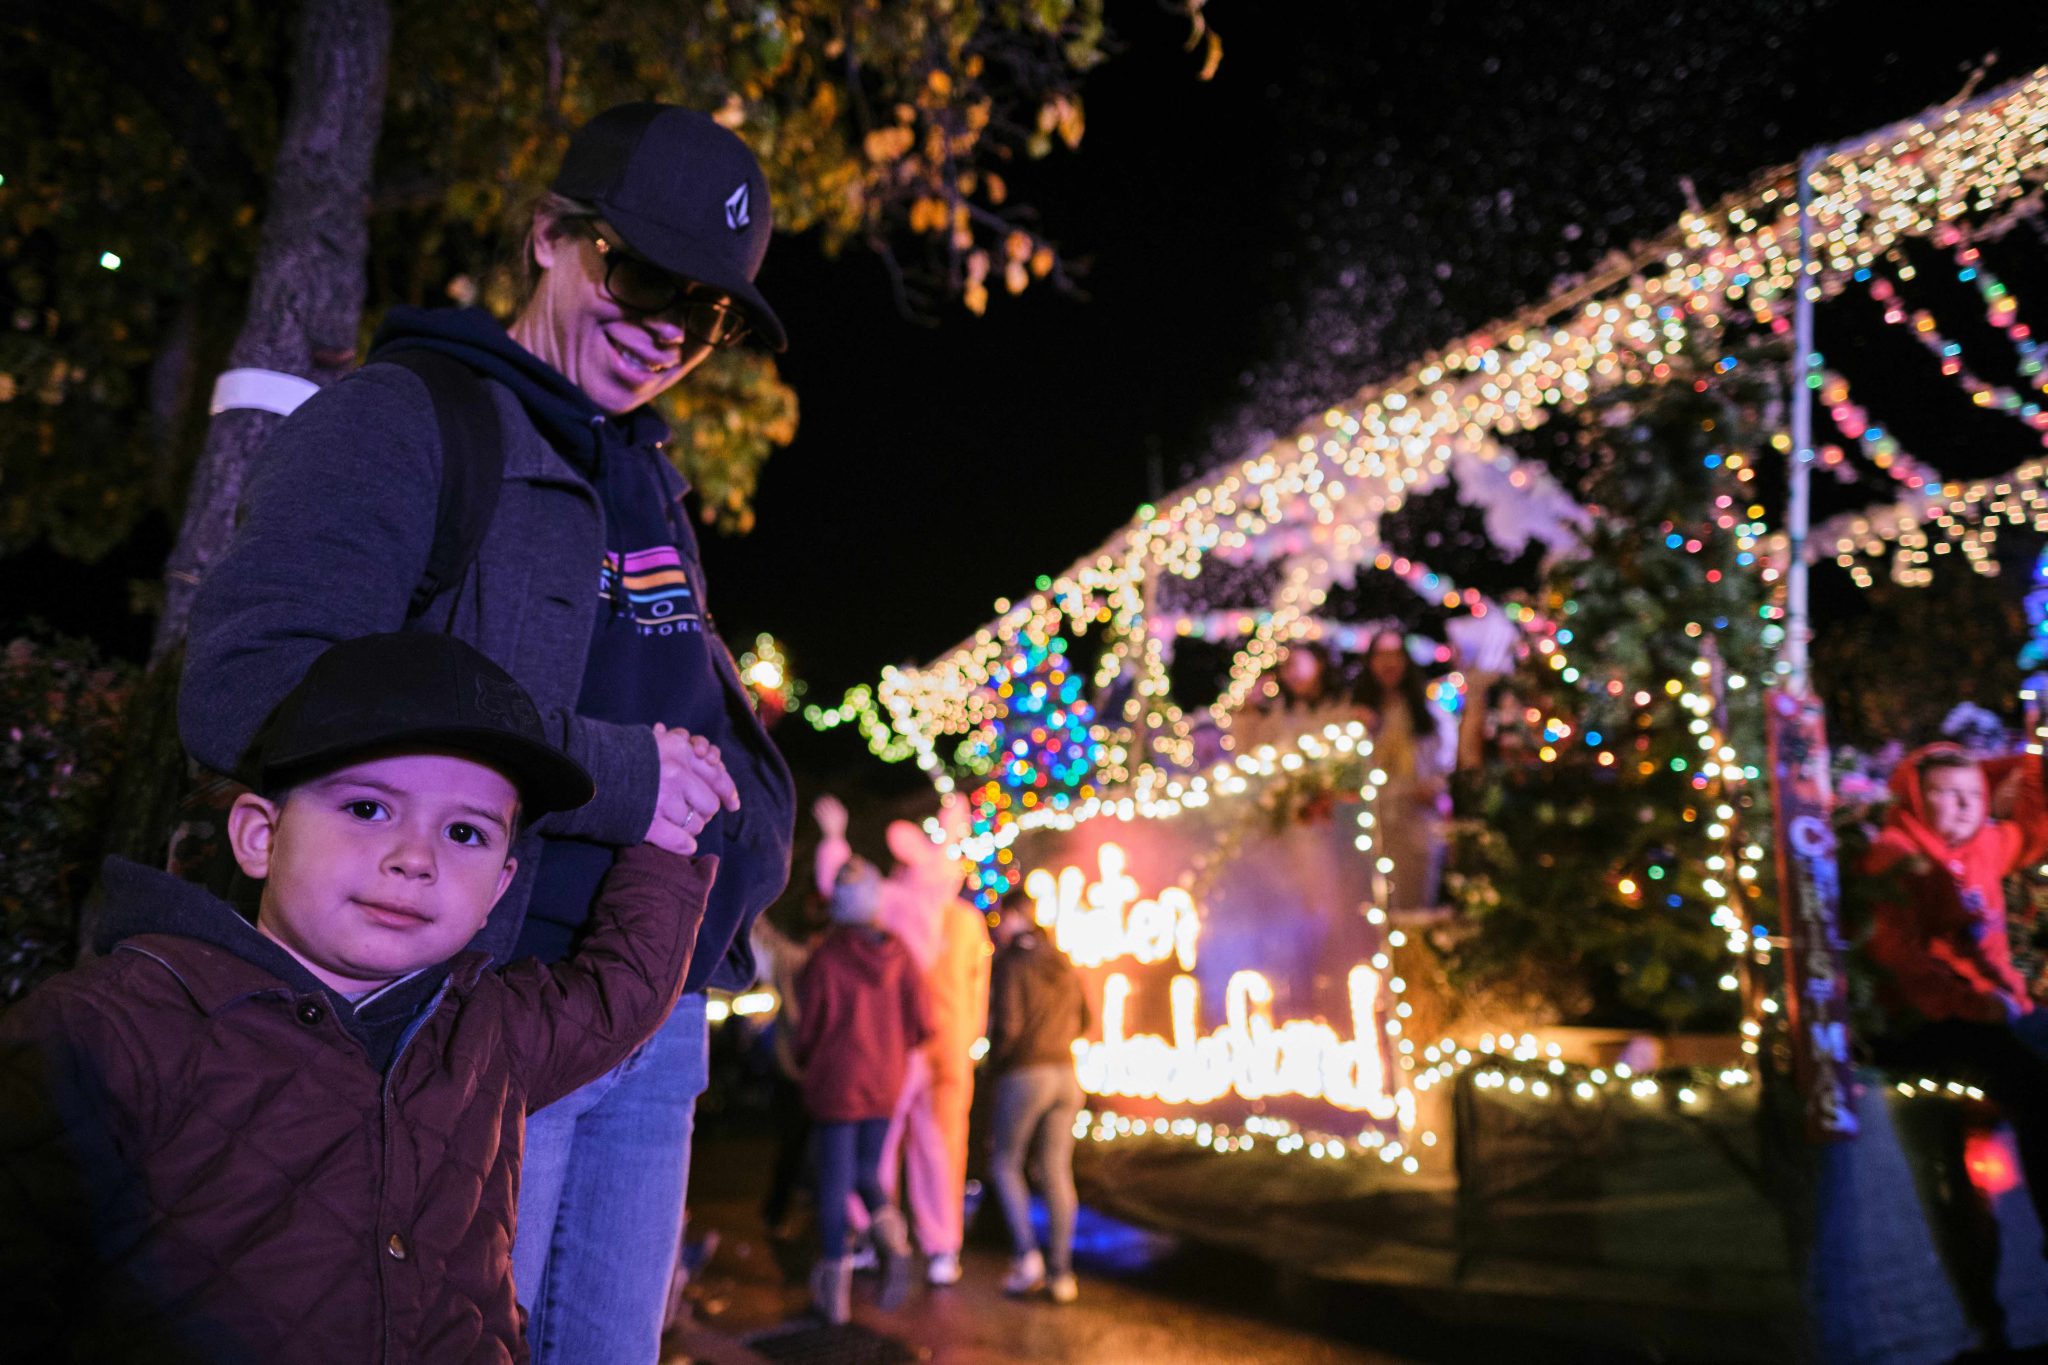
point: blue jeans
(1034, 1120)
(849, 1159)
(601, 1201)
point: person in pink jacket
(920, 903)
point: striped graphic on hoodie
(654, 589)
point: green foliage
(123, 140)
(1594, 873)
(729, 417)
(58, 755)
(147, 130)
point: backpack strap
(472, 466)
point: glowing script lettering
(1249, 1055)
(1099, 922)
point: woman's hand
(694, 787)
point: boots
(892, 1245)
(832, 1288)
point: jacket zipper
(384, 1127)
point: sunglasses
(645, 287)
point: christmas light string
(1742, 253)
(1315, 500)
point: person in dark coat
(1036, 1015)
(861, 1008)
(298, 1142)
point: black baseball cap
(413, 690)
(684, 193)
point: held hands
(694, 787)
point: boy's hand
(694, 787)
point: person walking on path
(1036, 1015)
(637, 265)
(946, 938)
(783, 957)
(861, 1010)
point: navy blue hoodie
(654, 653)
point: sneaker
(1026, 1275)
(892, 1245)
(943, 1269)
(863, 1257)
(1063, 1288)
(832, 1289)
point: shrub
(61, 731)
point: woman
(637, 266)
(1409, 749)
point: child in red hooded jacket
(1944, 940)
(1958, 1007)
(861, 1010)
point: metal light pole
(1799, 475)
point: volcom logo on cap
(736, 209)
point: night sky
(1358, 183)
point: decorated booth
(1587, 529)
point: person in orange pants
(949, 941)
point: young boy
(299, 1141)
(1957, 1007)
(1943, 939)
(861, 1009)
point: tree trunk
(305, 310)
(306, 297)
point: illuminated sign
(1250, 1054)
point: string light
(1312, 502)
(1310, 508)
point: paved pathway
(1143, 1300)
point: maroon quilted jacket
(861, 1008)
(205, 1155)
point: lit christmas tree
(1038, 752)
(1622, 862)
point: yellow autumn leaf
(1072, 123)
(1015, 277)
(1041, 262)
